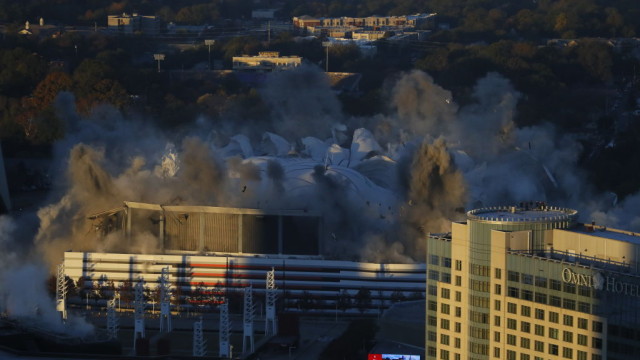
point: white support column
(165, 301)
(224, 331)
(61, 292)
(112, 319)
(138, 315)
(270, 324)
(247, 320)
(199, 343)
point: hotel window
(584, 291)
(513, 292)
(538, 346)
(569, 304)
(512, 308)
(433, 290)
(540, 314)
(527, 295)
(456, 343)
(496, 352)
(554, 317)
(458, 296)
(434, 275)
(446, 278)
(444, 308)
(582, 340)
(525, 327)
(458, 280)
(525, 343)
(584, 307)
(524, 356)
(444, 324)
(555, 301)
(458, 327)
(444, 339)
(541, 298)
(541, 281)
(458, 265)
(527, 279)
(446, 262)
(513, 276)
(432, 336)
(555, 284)
(433, 306)
(567, 320)
(445, 293)
(596, 343)
(432, 320)
(511, 355)
(498, 289)
(596, 326)
(553, 333)
(444, 354)
(496, 320)
(496, 336)
(582, 355)
(458, 311)
(553, 349)
(583, 323)
(525, 311)
(456, 356)
(539, 329)
(498, 273)
(567, 353)
(511, 339)
(567, 336)
(512, 324)
(596, 357)
(431, 351)
(570, 288)
(496, 305)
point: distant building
(370, 35)
(266, 61)
(134, 23)
(372, 22)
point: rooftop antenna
(138, 315)
(199, 344)
(165, 301)
(249, 312)
(270, 325)
(112, 319)
(61, 292)
(225, 329)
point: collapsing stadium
(218, 251)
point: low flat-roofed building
(529, 282)
(133, 23)
(266, 61)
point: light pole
(158, 57)
(326, 44)
(209, 42)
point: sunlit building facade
(530, 283)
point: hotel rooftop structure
(528, 282)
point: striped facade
(321, 282)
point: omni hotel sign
(600, 282)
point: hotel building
(530, 283)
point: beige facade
(266, 61)
(133, 23)
(531, 284)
